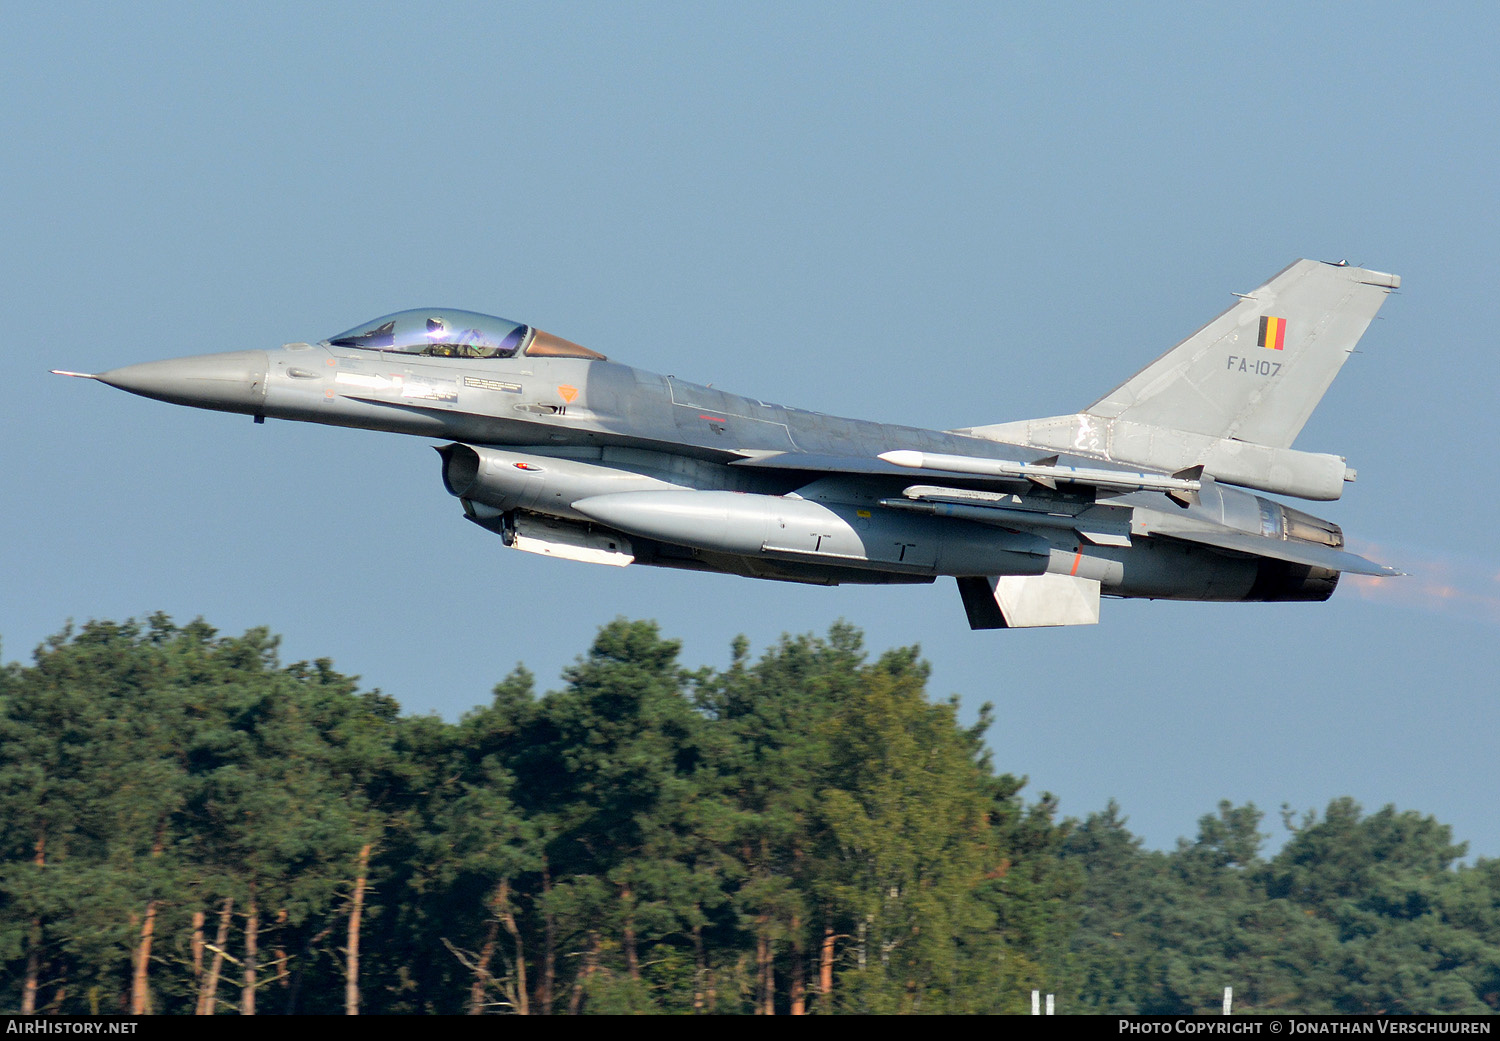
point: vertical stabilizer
(1233, 396)
(1256, 372)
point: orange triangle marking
(567, 393)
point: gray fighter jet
(1148, 492)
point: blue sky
(941, 216)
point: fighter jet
(1148, 492)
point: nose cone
(233, 382)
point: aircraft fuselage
(566, 453)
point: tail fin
(1256, 372)
(1233, 396)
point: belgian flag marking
(1273, 332)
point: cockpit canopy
(441, 333)
(447, 333)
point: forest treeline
(190, 826)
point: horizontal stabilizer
(1288, 550)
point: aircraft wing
(1100, 524)
(1110, 525)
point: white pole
(1228, 998)
(1036, 1003)
(1049, 1004)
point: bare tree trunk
(508, 917)
(482, 969)
(590, 965)
(283, 977)
(138, 991)
(252, 938)
(767, 973)
(763, 949)
(798, 985)
(700, 969)
(351, 970)
(295, 977)
(632, 963)
(549, 956)
(197, 947)
(207, 994)
(34, 954)
(825, 970)
(139, 994)
(33, 969)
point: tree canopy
(191, 826)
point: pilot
(438, 340)
(444, 343)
